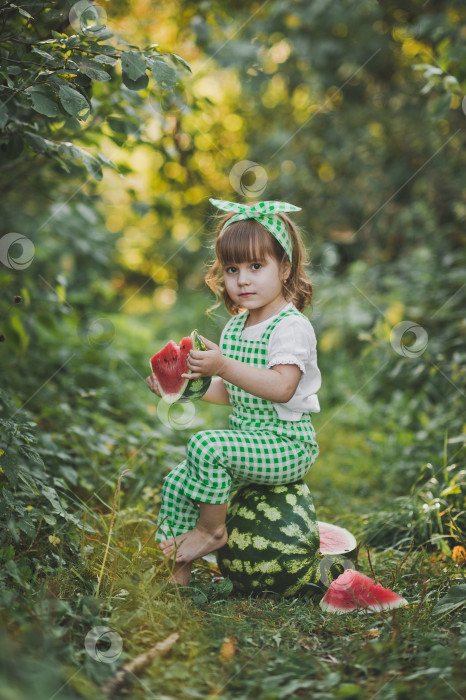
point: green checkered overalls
(259, 447)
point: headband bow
(265, 214)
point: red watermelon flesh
(335, 540)
(355, 591)
(186, 344)
(168, 365)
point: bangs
(245, 241)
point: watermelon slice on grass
(335, 539)
(355, 591)
(171, 362)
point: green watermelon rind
(196, 388)
(193, 388)
(292, 562)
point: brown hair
(248, 240)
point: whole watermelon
(273, 541)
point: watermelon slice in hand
(355, 591)
(171, 362)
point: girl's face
(256, 286)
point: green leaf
(72, 124)
(348, 690)
(6, 400)
(102, 36)
(440, 107)
(21, 336)
(27, 478)
(73, 102)
(12, 570)
(182, 61)
(3, 115)
(21, 11)
(63, 164)
(72, 67)
(140, 84)
(93, 70)
(133, 64)
(451, 83)
(109, 60)
(69, 474)
(8, 553)
(72, 41)
(198, 596)
(164, 74)
(223, 589)
(67, 150)
(27, 526)
(107, 161)
(454, 599)
(55, 79)
(52, 496)
(49, 518)
(93, 166)
(37, 143)
(9, 465)
(117, 125)
(42, 103)
(32, 454)
(48, 58)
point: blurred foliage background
(112, 139)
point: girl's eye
(231, 269)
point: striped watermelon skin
(273, 541)
(196, 388)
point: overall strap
(235, 325)
(276, 321)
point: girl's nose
(243, 277)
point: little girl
(265, 368)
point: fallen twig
(136, 665)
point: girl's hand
(205, 363)
(153, 384)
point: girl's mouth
(247, 294)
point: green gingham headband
(265, 214)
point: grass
(231, 646)
(266, 647)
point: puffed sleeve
(292, 342)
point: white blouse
(292, 342)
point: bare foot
(181, 573)
(169, 546)
(194, 544)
